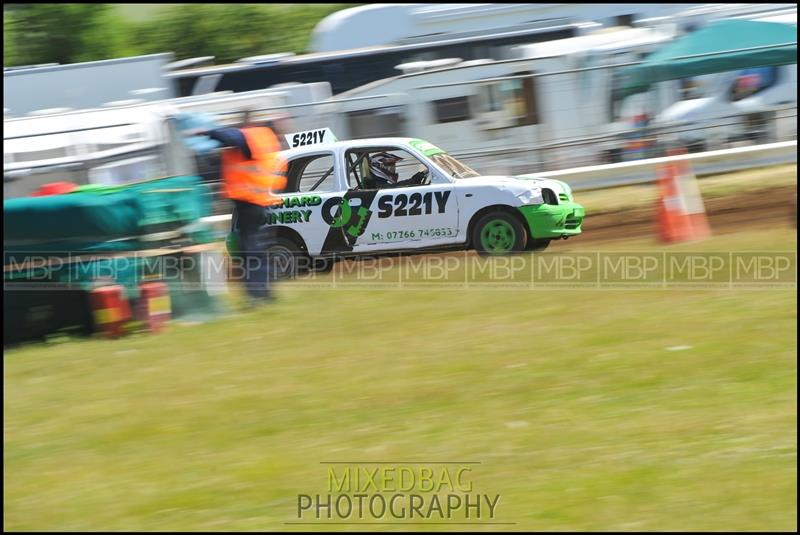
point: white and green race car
(330, 210)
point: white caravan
(544, 110)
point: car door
(410, 217)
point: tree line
(70, 33)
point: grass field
(587, 409)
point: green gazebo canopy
(725, 45)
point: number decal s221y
(401, 205)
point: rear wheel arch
(291, 234)
(282, 242)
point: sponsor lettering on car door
(415, 216)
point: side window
(385, 167)
(311, 173)
(450, 110)
(409, 167)
(354, 167)
(688, 88)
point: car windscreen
(452, 166)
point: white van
(757, 104)
(752, 104)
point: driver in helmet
(382, 173)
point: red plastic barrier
(110, 309)
(154, 307)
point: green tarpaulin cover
(103, 218)
(725, 45)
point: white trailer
(124, 142)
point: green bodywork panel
(553, 221)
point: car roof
(344, 145)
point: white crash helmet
(382, 165)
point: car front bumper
(548, 221)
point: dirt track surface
(767, 208)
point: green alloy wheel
(499, 233)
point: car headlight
(531, 196)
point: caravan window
(490, 98)
(530, 99)
(378, 122)
(516, 97)
(450, 110)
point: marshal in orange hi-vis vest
(255, 181)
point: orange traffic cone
(680, 213)
(695, 210)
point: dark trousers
(253, 243)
